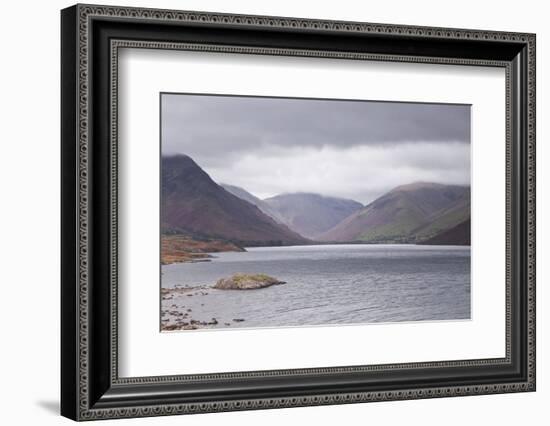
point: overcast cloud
(351, 149)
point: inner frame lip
(116, 44)
(299, 98)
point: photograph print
(294, 212)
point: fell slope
(458, 235)
(406, 214)
(243, 194)
(193, 204)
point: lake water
(325, 284)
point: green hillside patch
(397, 230)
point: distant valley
(308, 214)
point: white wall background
(29, 225)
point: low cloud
(360, 173)
(348, 149)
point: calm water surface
(329, 284)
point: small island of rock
(247, 282)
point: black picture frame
(90, 386)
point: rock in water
(247, 282)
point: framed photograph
(263, 212)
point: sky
(341, 148)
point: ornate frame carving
(85, 398)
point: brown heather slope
(458, 235)
(193, 204)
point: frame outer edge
(83, 89)
(69, 221)
(83, 13)
(531, 200)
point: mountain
(243, 194)
(311, 214)
(193, 204)
(407, 214)
(458, 235)
(457, 212)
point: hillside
(252, 199)
(457, 235)
(406, 214)
(312, 214)
(193, 204)
(445, 219)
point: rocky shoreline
(176, 315)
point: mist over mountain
(312, 214)
(252, 199)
